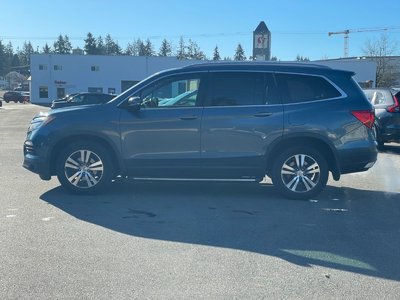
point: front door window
(176, 92)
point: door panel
(162, 139)
(235, 139)
(243, 115)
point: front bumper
(34, 163)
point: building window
(42, 67)
(111, 90)
(60, 93)
(57, 67)
(43, 92)
(95, 68)
(95, 89)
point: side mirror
(134, 103)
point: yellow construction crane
(346, 35)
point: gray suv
(216, 121)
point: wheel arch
(309, 141)
(61, 144)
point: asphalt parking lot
(152, 240)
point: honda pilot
(292, 122)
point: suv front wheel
(300, 173)
(84, 168)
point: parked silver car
(387, 114)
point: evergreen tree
(3, 66)
(62, 45)
(46, 49)
(67, 45)
(111, 47)
(100, 48)
(194, 52)
(181, 53)
(216, 55)
(15, 62)
(90, 44)
(9, 54)
(25, 54)
(301, 58)
(148, 48)
(132, 49)
(239, 54)
(141, 47)
(165, 49)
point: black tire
(84, 168)
(300, 173)
(375, 130)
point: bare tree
(381, 51)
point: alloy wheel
(84, 169)
(300, 173)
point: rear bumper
(358, 160)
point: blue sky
(298, 27)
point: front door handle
(193, 117)
(263, 114)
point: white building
(365, 69)
(54, 76)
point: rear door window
(236, 89)
(305, 88)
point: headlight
(39, 121)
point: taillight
(366, 117)
(395, 107)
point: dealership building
(55, 75)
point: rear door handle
(263, 114)
(189, 117)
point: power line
(394, 29)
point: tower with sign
(262, 42)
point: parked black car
(65, 98)
(387, 114)
(82, 99)
(13, 96)
(292, 122)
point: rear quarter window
(305, 88)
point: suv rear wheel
(84, 168)
(300, 173)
